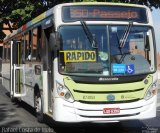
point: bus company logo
(108, 79)
(122, 96)
(128, 97)
(110, 97)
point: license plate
(111, 110)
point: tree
(19, 12)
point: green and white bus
(85, 62)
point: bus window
(8, 52)
(34, 42)
(39, 44)
(28, 45)
(4, 51)
(22, 49)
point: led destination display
(99, 12)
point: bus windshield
(110, 57)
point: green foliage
(22, 14)
(21, 11)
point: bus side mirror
(54, 41)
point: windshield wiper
(123, 40)
(89, 35)
(125, 35)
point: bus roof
(102, 3)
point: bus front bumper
(81, 112)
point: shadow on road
(6, 116)
(7, 111)
(120, 127)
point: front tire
(13, 99)
(39, 108)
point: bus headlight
(151, 91)
(64, 93)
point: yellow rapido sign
(79, 56)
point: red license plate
(111, 110)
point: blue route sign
(118, 68)
(123, 69)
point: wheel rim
(38, 104)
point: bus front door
(17, 88)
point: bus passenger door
(17, 71)
(50, 82)
(48, 66)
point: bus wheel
(39, 107)
(13, 99)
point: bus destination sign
(104, 13)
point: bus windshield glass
(109, 58)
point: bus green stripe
(126, 91)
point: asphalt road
(19, 117)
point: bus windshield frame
(112, 59)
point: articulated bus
(85, 62)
